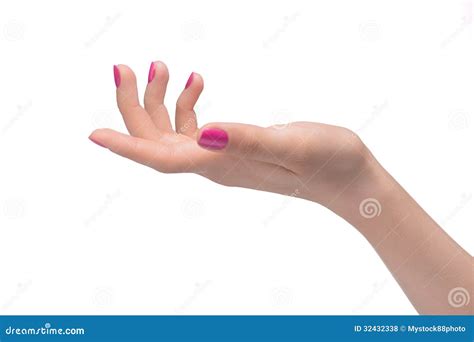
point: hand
(326, 164)
(303, 159)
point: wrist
(370, 195)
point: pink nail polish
(190, 80)
(213, 139)
(151, 73)
(96, 142)
(116, 76)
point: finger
(248, 141)
(136, 119)
(155, 94)
(163, 156)
(186, 122)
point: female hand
(309, 160)
(325, 164)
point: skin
(325, 164)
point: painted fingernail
(95, 141)
(151, 73)
(116, 76)
(190, 80)
(213, 139)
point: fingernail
(213, 139)
(151, 73)
(116, 76)
(190, 80)
(95, 141)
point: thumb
(247, 141)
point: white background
(83, 231)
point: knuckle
(181, 107)
(356, 151)
(353, 139)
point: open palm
(310, 160)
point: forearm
(433, 270)
(326, 164)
